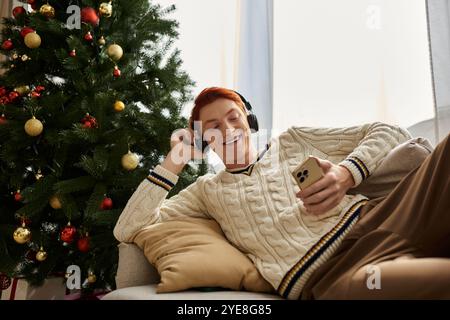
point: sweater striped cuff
(162, 178)
(357, 168)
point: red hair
(209, 95)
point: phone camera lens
(302, 179)
(299, 174)
(305, 173)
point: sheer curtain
(439, 28)
(339, 63)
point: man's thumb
(324, 164)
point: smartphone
(199, 144)
(307, 173)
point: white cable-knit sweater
(257, 208)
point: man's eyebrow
(211, 120)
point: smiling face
(225, 126)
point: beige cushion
(193, 253)
(397, 164)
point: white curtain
(439, 25)
(339, 63)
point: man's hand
(328, 192)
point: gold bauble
(22, 90)
(22, 234)
(39, 175)
(55, 203)
(47, 11)
(91, 277)
(33, 127)
(102, 41)
(130, 161)
(105, 9)
(119, 106)
(115, 52)
(41, 255)
(32, 40)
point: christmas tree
(91, 92)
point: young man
(316, 243)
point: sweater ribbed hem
(357, 168)
(295, 279)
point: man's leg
(402, 278)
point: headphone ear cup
(253, 122)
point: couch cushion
(397, 164)
(193, 253)
(148, 292)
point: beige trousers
(400, 247)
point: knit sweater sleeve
(365, 146)
(148, 204)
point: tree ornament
(89, 121)
(116, 72)
(7, 45)
(13, 96)
(25, 57)
(88, 36)
(32, 40)
(39, 175)
(41, 255)
(55, 203)
(91, 277)
(17, 11)
(107, 204)
(83, 244)
(18, 196)
(22, 90)
(47, 11)
(68, 233)
(25, 31)
(119, 106)
(73, 53)
(115, 52)
(15, 56)
(102, 41)
(88, 15)
(22, 234)
(39, 89)
(33, 127)
(130, 161)
(3, 119)
(105, 9)
(35, 95)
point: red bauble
(31, 1)
(90, 16)
(3, 91)
(17, 196)
(116, 72)
(83, 244)
(68, 233)
(4, 100)
(88, 37)
(17, 11)
(25, 31)
(3, 119)
(35, 95)
(7, 45)
(13, 96)
(107, 204)
(39, 89)
(33, 4)
(89, 122)
(73, 53)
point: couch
(137, 279)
